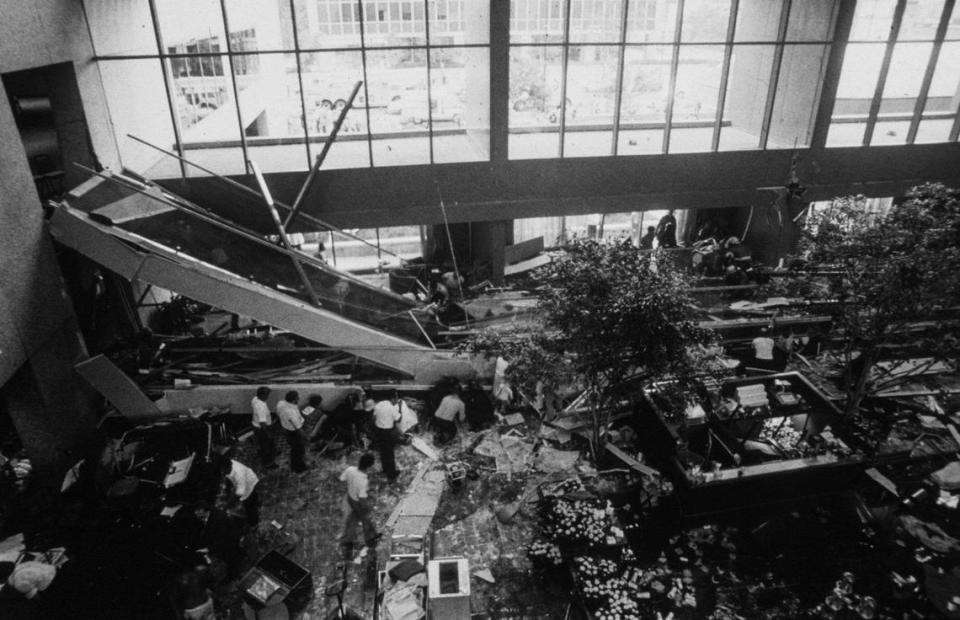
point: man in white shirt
(261, 427)
(763, 349)
(242, 482)
(292, 422)
(445, 418)
(356, 505)
(386, 414)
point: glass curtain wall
(224, 82)
(901, 75)
(627, 77)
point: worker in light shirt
(292, 422)
(262, 421)
(242, 484)
(763, 350)
(386, 414)
(448, 414)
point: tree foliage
(895, 277)
(612, 318)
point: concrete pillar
(479, 248)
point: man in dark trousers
(292, 422)
(386, 414)
(356, 505)
(261, 427)
(667, 231)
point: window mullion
(931, 67)
(884, 70)
(724, 74)
(233, 83)
(618, 93)
(774, 74)
(672, 88)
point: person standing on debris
(385, 418)
(292, 422)
(667, 231)
(763, 350)
(261, 427)
(445, 418)
(356, 505)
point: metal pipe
(268, 200)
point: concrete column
(488, 240)
(479, 248)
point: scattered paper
(485, 574)
(424, 447)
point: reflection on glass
(138, 106)
(537, 21)
(810, 20)
(890, 132)
(460, 104)
(695, 98)
(535, 86)
(798, 93)
(591, 95)
(758, 20)
(328, 80)
(643, 105)
(595, 22)
(651, 21)
(920, 20)
(705, 20)
(392, 23)
(745, 103)
(121, 27)
(872, 20)
(904, 78)
(459, 22)
(399, 111)
(327, 23)
(194, 26)
(259, 25)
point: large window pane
(646, 79)
(270, 111)
(945, 85)
(758, 20)
(138, 106)
(933, 130)
(207, 112)
(705, 20)
(328, 80)
(327, 23)
(591, 95)
(121, 27)
(595, 22)
(746, 100)
(811, 20)
(535, 85)
(192, 26)
(695, 98)
(460, 104)
(890, 132)
(259, 25)
(920, 20)
(537, 21)
(904, 78)
(798, 94)
(872, 20)
(399, 115)
(651, 21)
(846, 134)
(458, 22)
(858, 80)
(953, 27)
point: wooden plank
(523, 250)
(129, 209)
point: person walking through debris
(385, 418)
(448, 413)
(646, 241)
(241, 483)
(356, 505)
(292, 422)
(261, 427)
